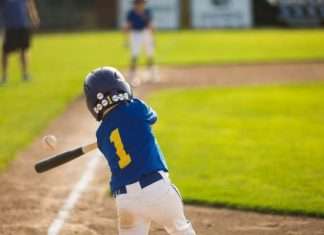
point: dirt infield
(30, 202)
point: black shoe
(26, 78)
(3, 81)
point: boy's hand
(33, 14)
(35, 23)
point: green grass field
(256, 148)
(60, 62)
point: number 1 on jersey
(124, 157)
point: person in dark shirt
(139, 28)
(19, 17)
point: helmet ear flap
(104, 88)
(108, 101)
(99, 117)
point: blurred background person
(139, 30)
(19, 17)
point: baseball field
(241, 118)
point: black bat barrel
(58, 160)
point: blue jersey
(126, 139)
(15, 13)
(139, 21)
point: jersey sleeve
(151, 116)
(129, 17)
(146, 113)
(149, 15)
(100, 140)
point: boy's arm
(152, 31)
(145, 112)
(151, 27)
(127, 28)
(150, 23)
(150, 115)
(33, 13)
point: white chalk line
(74, 196)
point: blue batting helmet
(103, 88)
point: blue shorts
(16, 39)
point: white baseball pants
(159, 202)
(140, 39)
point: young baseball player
(19, 17)
(139, 29)
(139, 174)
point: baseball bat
(62, 158)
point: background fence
(94, 14)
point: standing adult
(20, 16)
(139, 28)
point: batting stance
(139, 174)
(139, 29)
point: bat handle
(89, 147)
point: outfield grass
(258, 148)
(187, 47)
(60, 61)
